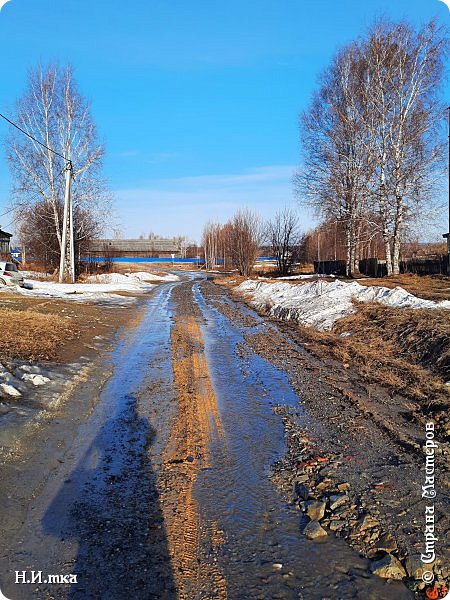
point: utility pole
(448, 232)
(67, 262)
(447, 235)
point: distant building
(5, 239)
(150, 248)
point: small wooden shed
(5, 239)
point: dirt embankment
(405, 351)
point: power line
(10, 210)
(33, 138)
(42, 192)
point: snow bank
(146, 276)
(35, 275)
(140, 276)
(110, 278)
(98, 289)
(322, 303)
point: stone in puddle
(315, 509)
(415, 567)
(337, 500)
(314, 531)
(323, 485)
(386, 543)
(388, 567)
(302, 478)
(301, 491)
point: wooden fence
(373, 267)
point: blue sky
(197, 101)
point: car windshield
(10, 267)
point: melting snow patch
(10, 390)
(146, 276)
(35, 379)
(109, 278)
(29, 368)
(322, 303)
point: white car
(10, 275)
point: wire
(33, 138)
(7, 212)
(10, 210)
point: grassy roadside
(31, 335)
(38, 329)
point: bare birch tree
(211, 244)
(337, 149)
(405, 71)
(371, 136)
(53, 111)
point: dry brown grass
(57, 330)
(406, 350)
(430, 287)
(31, 335)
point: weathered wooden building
(147, 248)
(5, 239)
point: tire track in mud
(196, 423)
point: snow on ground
(139, 277)
(86, 292)
(98, 288)
(322, 303)
(35, 275)
(110, 278)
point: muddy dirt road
(159, 483)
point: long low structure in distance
(151, 248)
